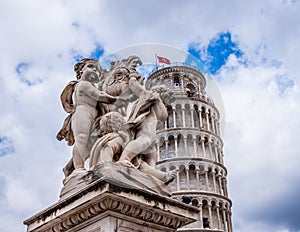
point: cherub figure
(113, 138)
(147, 114)
(83, 111)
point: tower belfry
(190, 141)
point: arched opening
(203, 116)
(170, 121)
(171, 152)
(182, 178)
(196, 117)
(195, 202)
(205, 215)
(176, 81)
(190, 90)
(173, 184)
(202, 181)
(192, 177)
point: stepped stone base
(110, 202)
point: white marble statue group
(98, 126)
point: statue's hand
(122, 101)
(136, 77)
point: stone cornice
(101, 197)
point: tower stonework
(190, 141)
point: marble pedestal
(107, 203)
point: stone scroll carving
(102, 127)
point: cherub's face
(91, 72)
(121, 74)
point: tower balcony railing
(173, 64)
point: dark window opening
(205, 223)
(176, 81)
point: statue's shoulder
(66, 96)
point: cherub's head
(89, 67)
(165, 93)
(111, 122)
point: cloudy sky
(251, 48)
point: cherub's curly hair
(165, 93)
(78, 66)
(111, 122)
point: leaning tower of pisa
(190, 142)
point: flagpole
(156, 60)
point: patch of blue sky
(6, 146)
(21, 70)
(77, 56)
(105, 60)
(75, 24)
(284, 83)
(96, 53)
(194, 62)
(146, 69)
(215, 55)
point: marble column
(224, 219)
(195, 146)
(218, 216)
(174, 117)
(206, 179)
(192, 116)
(176, 146)
(210, 149)
(183, 116)
(201, 215)
(214, 180)
(209, 215)
(185, 144)
(203, 146)
(198, 178)
(207, 120)
(216, 152)
(187, 178)
(200, 118)
(167, 147)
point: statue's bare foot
(170, 176)
(126, 163)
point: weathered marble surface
(99, 127)
(116, 174)
(114, 201)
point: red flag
(163, 60)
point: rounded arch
(190, 89)
(192, 176)
(195, 202)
